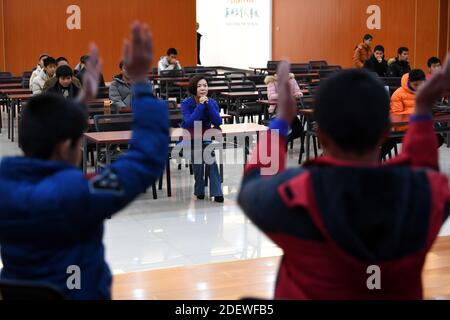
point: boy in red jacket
(350, 227)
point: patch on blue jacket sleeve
(106, 182)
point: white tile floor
(178, 231)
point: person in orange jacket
(403, 100)
(363, 52)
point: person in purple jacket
(201, 109)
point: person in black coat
(64, 85)
(377, 63)
(400, 65)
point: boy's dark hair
(49, 61)
(416, 75)
(61, 59)
(402, 49)
(379, 48)
(194, 82)
(367, 37)
(171, 51)
(84, 59)
(64, 71)
(42, 55)
(121, 64)
(47, 120)
(352, 108)
(433, 60)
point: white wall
(235, 40)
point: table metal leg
(1, 114)
(97, 152)
(8, 111)
(167, 90)
(308, 136)
(169, 182)
(13, 117)
(108, 155)
(308, 145)
(246, 149)
(85, 150)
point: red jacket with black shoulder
(336, 220)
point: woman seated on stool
(200, 108)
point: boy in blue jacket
(51, 216)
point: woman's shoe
(219, 199)
(200, 197)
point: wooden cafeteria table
(123, 137)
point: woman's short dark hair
(193, 84)
(64, 71)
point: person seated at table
(82, 61)
(272, 95)
(399, 66)
(169, 61)
(403, 102)
(39, 67)
(80, 73)
(120, 91)
(37, 86)
(377, 63)
(52, 216)
(64, 85)
(61, 61)
(272, 89)
(350, 227)
(434, 65)
(201, 109)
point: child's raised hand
(286, 104)
(138, 53)
(91, 76)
